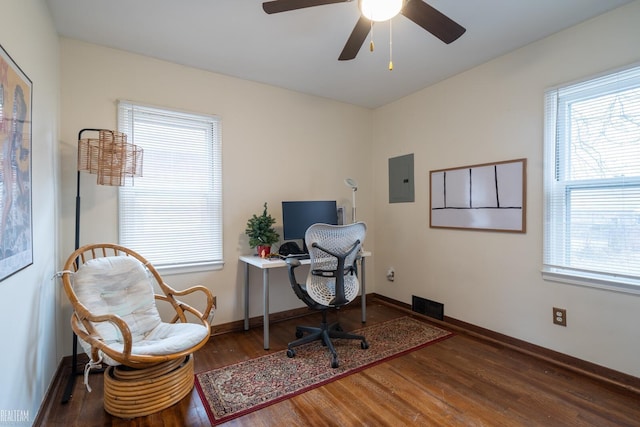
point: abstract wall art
(490, 196)
(16, 233)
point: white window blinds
(173, 214)
(592, 182)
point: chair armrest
(93, 338)
(181, 307)
(292, 264)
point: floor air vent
(427, 307)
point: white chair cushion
(166, 338)
(122, 285)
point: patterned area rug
(235, 390)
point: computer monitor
(297, 216)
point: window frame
(213, 225)
(557, 166)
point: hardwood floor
(462, 381)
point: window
(173, 213)
(592, 182)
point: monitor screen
(298, 216)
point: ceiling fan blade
(277, 6)
(357, 37)
(432, 20)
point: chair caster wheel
(299, 334)
(364, 345)
(334, 362)
(291, 353)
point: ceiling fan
(418, 11)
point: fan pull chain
(371, 46)
(390, 45)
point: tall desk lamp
(116, 163)
(351, 183)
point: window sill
(168, 270)
(592, 280)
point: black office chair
(332, 281)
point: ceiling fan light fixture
(380, 10)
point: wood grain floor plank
(461, 381)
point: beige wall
(28, 317)
(492, 113)
(277, 145)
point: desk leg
(364, 292)
(265, 297)
(246, 296)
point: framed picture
(490, 196)
(16, 235)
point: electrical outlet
(559, 316)
(391, 274)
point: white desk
(267, 264)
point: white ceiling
(299, 50)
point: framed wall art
(16, 234)
(490, 196)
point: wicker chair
(150, 362)
(332, 281)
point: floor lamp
(116, 163)
(351, 183)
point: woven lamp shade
(111, 157)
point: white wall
(492, 113)
(29, 355)
(277, 145)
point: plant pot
(263, 251)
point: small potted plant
(261, 232)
